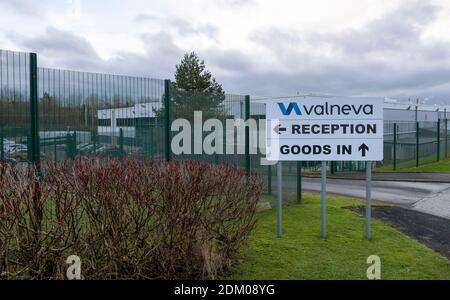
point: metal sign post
(280, 199)
(368, 199)
(324, 199)
(325, 129)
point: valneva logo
(326, 109)
(292, 106)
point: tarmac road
(394, 192)
(428, 197)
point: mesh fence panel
(83, 113)
(427, 142)
(442, 139)
(99, 114)
(415, 143)
(446, 137)
(14, 105)
(213, 138)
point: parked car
(7, 159)
(108, 151)
(88, 148)
(22, 156)
(19, 155)
(61, 147)
(7, 145)
(17, 148)
(17, 152)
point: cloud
(181, 26)
(158, 61)
(238, 3)
(387, 56)
(186, 28)
(24, 7)
(230, 61)
(144, 18)
(67, 50)
(398, 30)
(62, 48)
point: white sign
(325, 129)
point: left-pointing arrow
(278, 129)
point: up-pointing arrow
(363, 148)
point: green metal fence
(411, 144)
(100, 114)
(14, 106)
(217, 107)
(52, 114)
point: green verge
(426, 165)
(302, 254)
(442, 166)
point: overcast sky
(390, 48)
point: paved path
(437, 204)
(428, 197)
(400, 176)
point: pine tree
(191, 76)
(195, 89)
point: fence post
(29, 154)
(55, 149)
(395, 147)
(70, 145)
(121, 141)
(167, 114)
(417, 144)
(74, 144)
(446, 136)
(269, 179)
(299, 182)
(94, 141)
(2, 151)
(151, 142)
(34, 114)
(439, 140)
(247, 134)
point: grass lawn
(302, 254)
(436, 167)
(426, 165)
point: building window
(126, 122)
(104, 122)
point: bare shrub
(126, 219)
